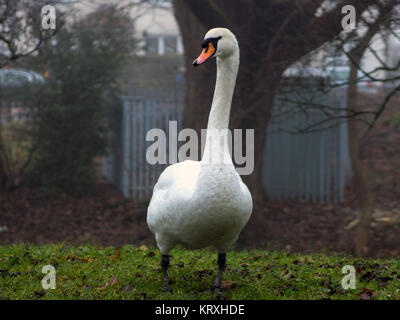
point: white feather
(198, 204)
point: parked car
(17, 78)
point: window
(163, 45)
(152, 45)
(171, 45)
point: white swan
(198, 204)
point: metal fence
(126, 164)
(312, 167)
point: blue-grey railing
(312, 167)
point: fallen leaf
(228, 284)
(109, 283)
(72, 257)
(117, 254)
(367, 294)
(143, 247)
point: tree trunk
(3, 176)
(360, 177)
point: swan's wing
(247, 199)
(182, 174)
(174, 186)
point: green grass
(89, 272)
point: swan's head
(218, 42)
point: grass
(89, 272)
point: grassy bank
(88, 272)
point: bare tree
(21, 32)
(360, 176)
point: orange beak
(205, 55)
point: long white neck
(227, 70)
(218, 119)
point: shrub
(82, 65)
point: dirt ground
(106, 218)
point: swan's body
(198, 215)
(198, 204)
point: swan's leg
(165, 265)
(221, 267)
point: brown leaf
(202, 273)
(117, 254)
(228, 284)
(367, 294)
(72, 257)
(109, 283)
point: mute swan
(198, 204)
